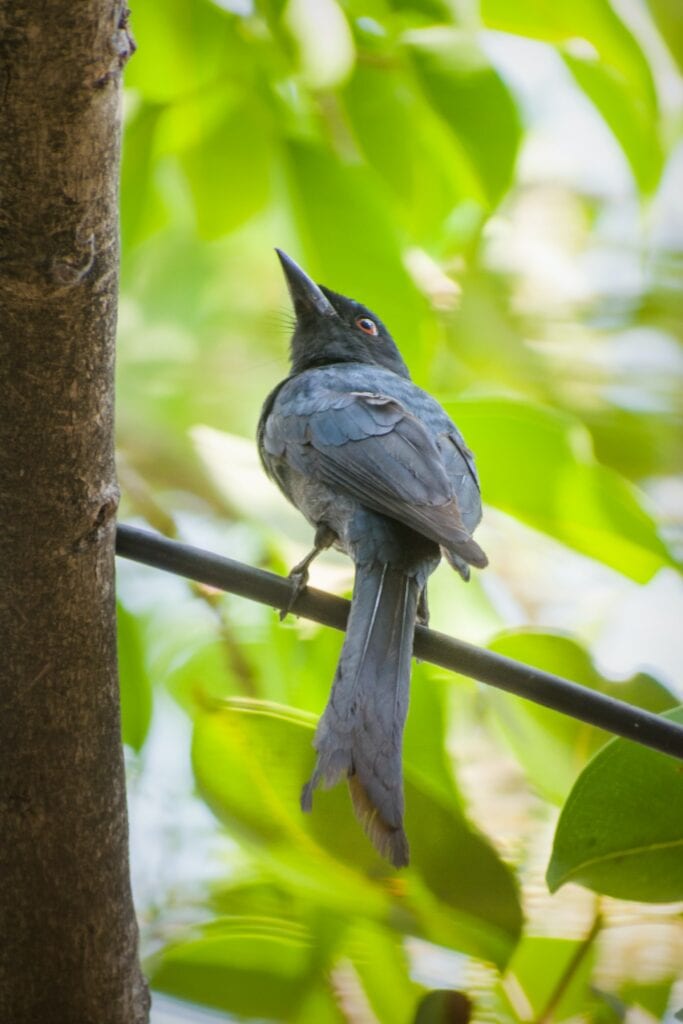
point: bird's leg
(422, 614)
(324, 538)
(423, 608)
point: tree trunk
(68, 935)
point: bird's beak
(305, 293)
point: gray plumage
(377, 466)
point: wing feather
(372, 448)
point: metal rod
(551, 691)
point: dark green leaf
(669, 17)
(444, 1007)
(621, 830)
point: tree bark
(68, 935)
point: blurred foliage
(424, 156)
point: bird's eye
(367, 325)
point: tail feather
(360, 734)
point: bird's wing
(461, 471)
(372, 448)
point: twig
(551, 691)
(580, 953)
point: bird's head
(333, 329)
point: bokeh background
(503, 183)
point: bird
(381, 473)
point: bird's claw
(299, 580)
(423, 609)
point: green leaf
(607, 63)
(142, 208)
(381, 962)
(552, 973)
(135, 683)
(183, 46)
(593, 21)
(632, 123)
(668, 15)
(323, 41)
(426, 167)
(471, 98)
(553, 748)
(621, 830)
(253, 966)
(229, 171)
(432, 10)
(444, 847)
(652, 996)
(251, 759)
(537, 465)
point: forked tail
(361, 731)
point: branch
(531, 683)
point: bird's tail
(360, 733)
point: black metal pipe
(552, 691)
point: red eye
(367, 325)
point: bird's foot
(299, 580)
(324, 538)
(423, 609)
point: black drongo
(381, 472)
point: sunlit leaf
(653, 997)
(142, 207)
(537, 464)
(183, 46)
(551, 974)
(426, 166)
(323, 40)
(473, 101)
(606, 61)
(251, 759)
(553, 748)
(252, 966)
(230, 170)
(593, 21)
(380, 960)
(632, 122)
(617, 834)
(135, 683)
